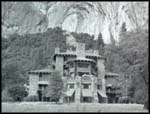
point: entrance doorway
(87, 99)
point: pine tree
(123, 27)
(122, 33)
(55, 88)
(100, 44)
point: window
(83, 65)
(86, 86)
(40, 76)
(72, 74)
(87, 99)
(71, 65)
(42, 87)
(82, 73)
(99, 87)
(71, 86)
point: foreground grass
(71, 107)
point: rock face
(88, 17)
(22, 17)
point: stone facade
(83, 73)
(33, 84)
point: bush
(146, 105)
(5, 96)
(31, 98)
(17, 92)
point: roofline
(39, 71)
(81, 60)
(74, 55)
(111, 74)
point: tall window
(70, 86)
(71, 65)
(40, 76)
(99, 87)
(72, 74)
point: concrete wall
(33, 84)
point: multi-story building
(83, 73)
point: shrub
(17, 92)
(31, 98)
(5, 96)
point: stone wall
(101, 73)
(33, 84)
(59, 64)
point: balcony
(83, 69)
(43, 82)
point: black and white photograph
(74, 56)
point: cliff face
(88, 17)
(22, 17)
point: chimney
(57, 50)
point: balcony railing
(83, 70)
(43, 82)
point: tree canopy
(55, 88)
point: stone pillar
(78, 89)
(90, 68)
(60, 64)
(101, 68)
(80, 50)
(33, 84)
(101, 73)
(75, 69)
(95, 97)
(94, 90)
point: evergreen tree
(123, 30)
(55, 88)
(17, 92)
(134, 52)
(123, 27)
(100, 44)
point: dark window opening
(71, 65)
(83, 65)
(71, 86)
(82, 73)
(87, 99)
(99, 87)
(86, 86)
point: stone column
(94, 90)
(101, 73)
(60, 64)
(33, 84)
(78, 89)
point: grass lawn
(70, 107)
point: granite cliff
(87, 17)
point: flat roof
(74, 54)
(111, 74)
(81, 59)
(45, 70)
